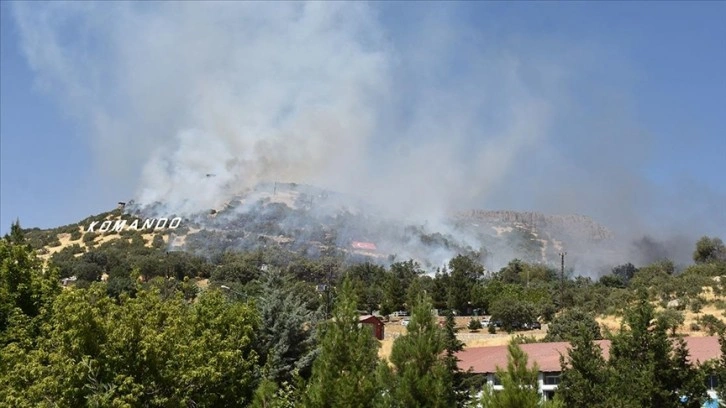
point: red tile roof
(547, 355)
(702, 349)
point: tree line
(261, 334)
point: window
(496, 380)
(551, 378)
(711, 382)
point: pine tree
(453, 345)
(632, 358)
(720, 367)
(520, 388)
(685, 383)
(584, 373)
(644, 361)
(344, 373)
(16, 235)
(422, 376)
(285, 340)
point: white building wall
(541, 386)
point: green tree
(464, 273)
(625, 272)
(519, 382)
(569, 325)
(270, 395)
(712, 324)
(344, 372)
(719, 367)
(672, 319)
(422, 376)
(158, 241)
(513, 313)
(151, 350)
(652, 277)
(414, 292)
(709, 250)
(396, 283)
(368, 280)
(642, 359)
(684, 380)
(25, 287)
(16, 235)
(512, 273)
(474, 324)
(453, 345)
(612, 281)
(584, 372)
(286, 342)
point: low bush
(474, 325)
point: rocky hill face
(560, 225)
(315, 222)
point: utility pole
(325, 289)
(562, 278)
(327, 295)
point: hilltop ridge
(316, 222)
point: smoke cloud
(195, 103)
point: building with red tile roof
(485, 360)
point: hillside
(316, 222)
(254, 283)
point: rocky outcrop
(561, 226)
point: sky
(615, 110)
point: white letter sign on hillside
(118, 225)
(147, 224)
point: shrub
(672, 319)
(712, 324)
(474, 325)
(75, 249)
(570, 323)
(138, 241)
(696, 305)
(522, 339)
(158, 241)
(120, 284)
(695, 327)
(87, 271)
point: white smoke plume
(313, 92)
(195, 102)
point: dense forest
(141, 326)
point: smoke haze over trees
(163, 328)
(192, 104)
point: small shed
(375, 324)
